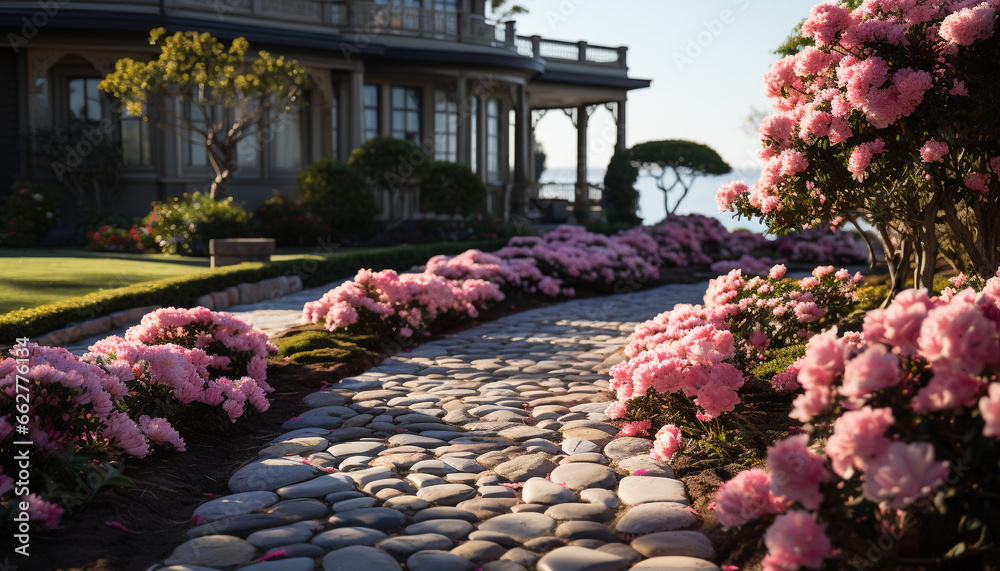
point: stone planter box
(231, 251)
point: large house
(437, 72)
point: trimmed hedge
(181, 292)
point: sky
(707, 60)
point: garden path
(486, 449)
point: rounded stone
(317, 487)
(359, 557)
(542, 491)
(523, 468)
(651, 518)
(579, 512)
(573, 446)
(236, 504)
(686, 543)
(581, 475)
(354, 504)
(406, 545)
(437, 561)
(493, 537)
(606, 498)
(574, 558)
(621, 550)
(520, 526)
(213, 551)
(451, 528)
(634, 490)
(447, 494)
(444, 512)
(626, 447)
(271, 474)
(348, 536)
(574, 530)
(406, 504)
(644, 462)
(521, 556)
(478, 551)
(675, 563)
(384, 519)
(289, 534)
(302, 446)
(288, 564)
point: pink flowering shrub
(903, 437)
(389, 302)
(887, 118)
(684, 367)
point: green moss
(779, 360)
(328, 355)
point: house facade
(436, 72)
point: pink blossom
(795, 540)
(989, 407)
(903, 474)
(969, 25)
(746, 497)
(43, 515)
(871, 371)
(777, 272)
(668, 440)
(823, 360)
(862, 156)
(899, 324)
(825, 21)
(959, 337)
(730, 193)
(797, 472)
(858, 437)
(808, 282)
(635, 428)
(976, 182)
(948, 390)
(158, 430)
(933, 151)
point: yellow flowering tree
(210, 91)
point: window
(446, 5)
(406, 114)
(195, 153)
(474, 133)
(135, 140)
(85, 101)
(445, 127)
(372, 111)
(493, 140)
(334, 122)
(286, 141)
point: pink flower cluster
(398, 301)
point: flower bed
(901, 418)
(87, 416)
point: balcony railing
(582, 52)
(350, 18)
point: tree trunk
(221, 155)
(928, 247)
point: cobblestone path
(487, 449)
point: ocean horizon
(701, 199)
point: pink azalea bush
(887, 118)
(688, 362)
(903, 436)
(123, 398)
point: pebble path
(488, 449)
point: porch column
(355, 128)
(522, 152)
(464, 123)
(581, 155)
(621, 145)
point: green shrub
(621, 199)
(338, 194)
(452, 189)
(289, 222)
(181, 292)
(387, 162)
(27, 213)
(185, 225)
(778, 360)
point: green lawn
(32, 276)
